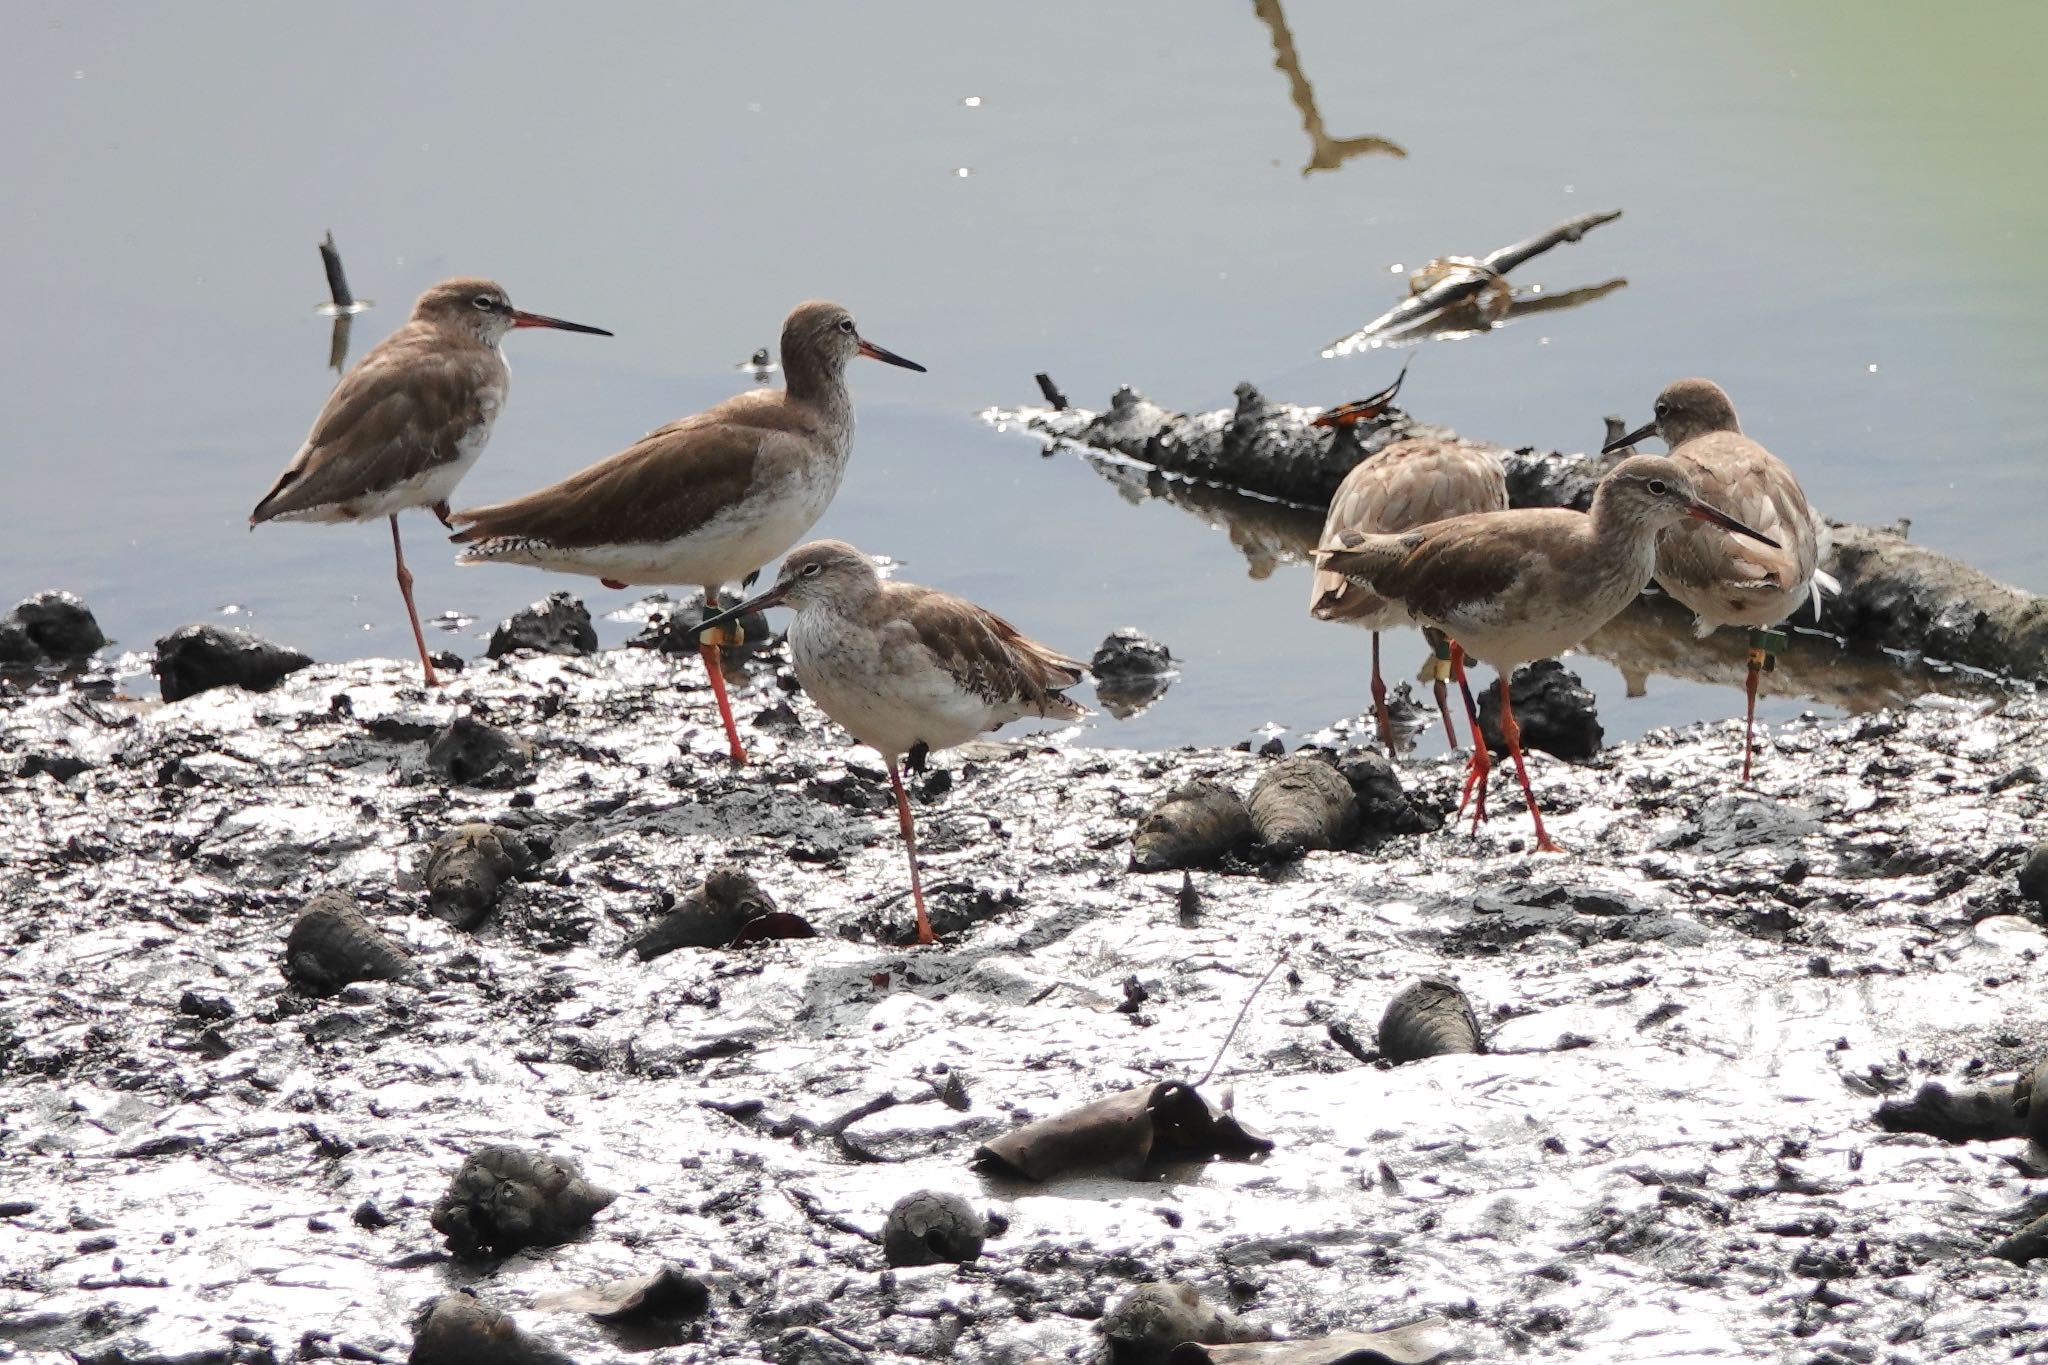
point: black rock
(675, 632)
(1553, 708)
(195, 659)
(1129, 653)
(558, 624)
(2033, 879)
(468, 752)
(59, 625)
(17, 649)
(506, 1198)
(457, 1330)
(61, 765)
(331, 944)
(466, 870)
(931, 1226)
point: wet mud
(1670, 1149)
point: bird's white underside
(423, 490)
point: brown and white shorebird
(402, 428)
(706, 500)
(907, 669)
(1515, 586)
(1729, 582)
(1407, 484)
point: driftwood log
(1263, 470)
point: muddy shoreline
(1670, 1152)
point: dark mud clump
(1131, 671)
(1431, 1018)
(505, 1199)
(931, 1226)
(50, 628)
(195, 659)
(332, 945)
(1670, 1148)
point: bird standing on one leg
(402, 428)
(706, 500)
(1515, 586)
(1725, 581)
(905, 668)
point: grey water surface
(1833, 209)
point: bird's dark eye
(1663, 409)
(812, 570)
(846, 326)
(1658, 488)
(485, 302)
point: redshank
(1407, 484)
(905, 668)
(704, 500)
(1527, 584)
(1724, 581)
(402, 428)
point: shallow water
(1843, 241)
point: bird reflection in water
(1325, 153)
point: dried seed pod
(932, 1226)
(1196, 823)
(1431, 1018)
(506, 1198)
(331, 944)
(1303, 803)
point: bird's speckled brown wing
(1407, 485)
(987, 655)
(1729, 579)
(400, 413)
(664, 486)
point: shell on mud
(1415, 1343)
(1193, 825)
(1128, 1132)
(1431, 1018)
(931, 1226)
(505, 1198)
(715, 915)
(457, 1330)
(1303, 803)
(331, 944)
(1147, 1323)
(669, 1292)
(467, 868)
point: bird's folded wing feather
(666, 485)
(990, 657)
(404, 410)
(1739, 478)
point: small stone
(17, 650)
(557, 624)
(211, 1007)
(1552, 706)
(2033, 878)
(195, 659)
(368, 1215)
(931, 1226)
(60, 626)
(1131, 671)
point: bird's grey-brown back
(1724, 578)
(897, 664)
(1407, 484)
(421, 402)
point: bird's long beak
(771, 598)
(1641, 433)
(874, 352)
(1362, 409)
(1701, 512)
(520, 319)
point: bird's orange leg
(411, 613)
(1763, 647)
(1384, 721)
(1512, 732)
(924, 925)
(1482, 760)
(713, 665)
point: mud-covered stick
(1051, 391)
(337, 280)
